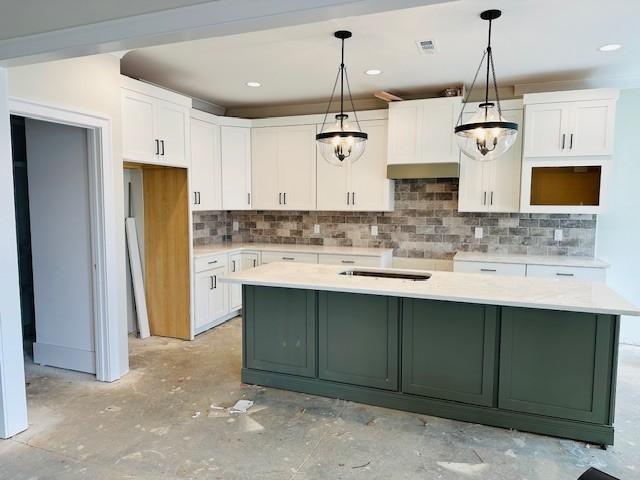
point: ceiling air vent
(426, 46)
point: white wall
(13, 402)
(59, 207)
(90, 85)
(619, 227)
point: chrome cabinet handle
(491, 198)
(570, 141)
(280, 198)
(353, 198)
(560, 274)
(233, 262)
(210, 283)
(215, 281)
(249, 198)
(162, 144)
(484, 201)
(195, 198)
(288, 258)
(348, 261)
(488, 270)
(157, 146)
(212, 262)
(347, 198)
(254, 262)
(285, 198)
(564, 136)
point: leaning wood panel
(166, 234)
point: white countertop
(544, 293)
(290, 248)
(556, 260)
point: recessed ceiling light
(373, 71)
(610, 47)
(254, 84)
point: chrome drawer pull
(212, 262)
(488, 270)
(560, 274)
(288, 258)
(348, 261)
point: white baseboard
(64, 357)
(215, 323)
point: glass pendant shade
(487, 135)
(341, 142)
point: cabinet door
(297, 167)
(358, 339)
(250, 260)
(556, 363)
(405, 133)
(236, 167)
(235, 290)
(218, 295)
(172, 131)
(439, 117)
(334, 192)
(439, 362)
(138, 127)
(282, 337)
(474, 177)
(370, 187)
(264, 169)
(203, 285)
(591, 130)
(502, 176)
(205, 166)
(546, 130)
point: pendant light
(341, 142)
(486, 135)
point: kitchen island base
(543, 371)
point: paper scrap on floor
(241, 406)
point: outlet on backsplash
(374, 230)
(557, 235)
(316, 228)
(478, 233)
(236, 226)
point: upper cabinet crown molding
(421, 131)
(317, 119)
(154, 91)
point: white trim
(104, 232)
(64, 357)
(154, 91)
(571, 96)
(316, 119)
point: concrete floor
(160, 422)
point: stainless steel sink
(415, 277)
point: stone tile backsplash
(424, 224)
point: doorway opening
(55, 242)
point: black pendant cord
(333, 91)
(342, 86)
(475, 77)
(353, 107)
(486, 87)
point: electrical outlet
(557, 235)
(236, 226)
(374, 230)
(478, 232)
(316, 228)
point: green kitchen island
(532, 354)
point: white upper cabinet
(362, 186)
(155, 125)
(236, 167)
(206, 168)
(492, 186)
(283, 163)
(421, 131)
(579, 123)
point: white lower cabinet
(350, 260)
(211, 298)
(575, 273)
(491, 268)
(237, 263)
(303, 257)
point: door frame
(103, 224)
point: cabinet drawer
(268, 257)
(349, 260)
(209, 262)
(491, 268)
(576, 273)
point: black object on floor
(595, 474)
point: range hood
(423, 170)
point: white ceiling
(534, 41)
